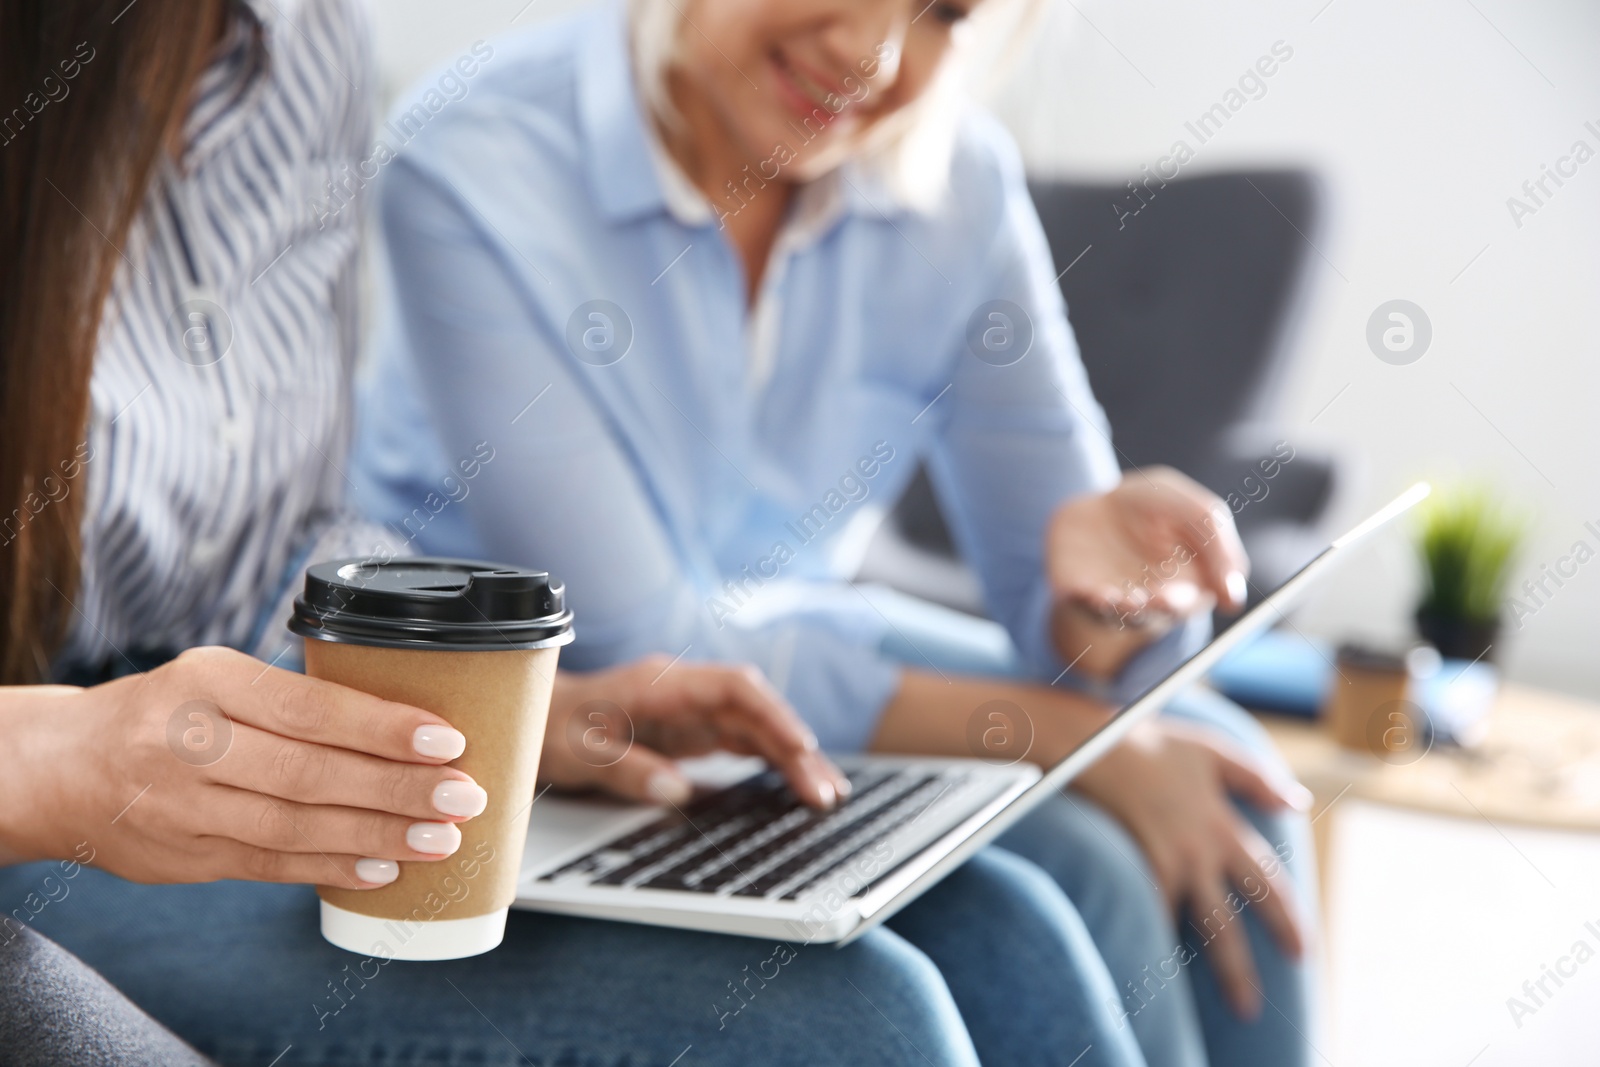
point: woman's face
(799, 81)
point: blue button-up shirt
(704, 474)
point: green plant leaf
(1467, 541)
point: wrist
(1062, 721)
(572, 689)
(561, 764)
(35, 722)
(1110, 776)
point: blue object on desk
(1283, 672)
(1277, 671)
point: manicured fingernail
(1299, 796)
(434, 838)
(1238, 590)
(832, 786)
(455, 797)
(438, 742)
(377, 872)
(668, 788)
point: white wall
(414, 35)
(1424, 116)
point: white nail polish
(434, 838)
(438, 742)
(377, 872)
(1237, 588)
(668, 788)
(455, 797)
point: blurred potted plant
(1466, 542)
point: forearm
(985, 718)
(27, 713)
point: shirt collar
(631, 173)
(681, 197)
(622, 174)
(233, 80)
(816, 207)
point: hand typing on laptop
(621, 729)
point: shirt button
(204, 552)
(231, 434)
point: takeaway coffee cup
(475, 643)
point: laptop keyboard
(756, 838)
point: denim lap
(1021, 965)
(240, 971)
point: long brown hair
(92, 93)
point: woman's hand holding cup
(217, 766)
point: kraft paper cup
(483, 659)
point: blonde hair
(908, 150)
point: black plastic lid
(1369, 658)
(431, 603)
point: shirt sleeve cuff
(1159, 658)
(1033, 638)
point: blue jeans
(984, 967)
(1177, 1012)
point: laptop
(745, 856)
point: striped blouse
(220, 393)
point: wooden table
(1538, 764)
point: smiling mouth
(807, 93)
